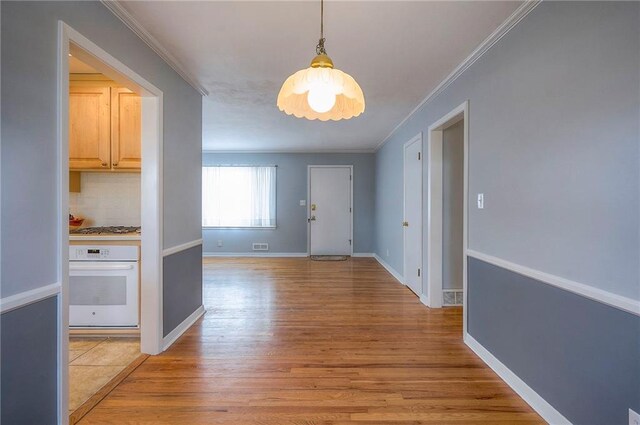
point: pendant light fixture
(321, 92)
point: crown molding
(132, 23)
(493, 38)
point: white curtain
(238, 196)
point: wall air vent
(452, 297)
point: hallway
(293, 341)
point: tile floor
(93, 362)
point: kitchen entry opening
(110, 266)
(239, 196)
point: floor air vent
(260, 246)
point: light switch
(480, 201)
(303, 202)
(219, 243)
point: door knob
(405, 224)
(313, 207)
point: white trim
(363, 255)
(435, 140)
(151, 183)
(390, 269)
(181, 247)
(168, 340)
(415, 139)
(613, 300)
(533, 399)
(31, 296)
(493, 38)
(352, 178)
(424, 300)
(134, 25)
(256, 254)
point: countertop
(106, 237)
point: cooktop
(105, 229)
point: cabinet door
(125, 129)
(89, 126)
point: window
(238, 196)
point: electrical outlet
(303, 202)
(480, 201)
(387, 252)
(219, 243)
(634, 418)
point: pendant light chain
(320, 47)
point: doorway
(447, 181)
(412, 223)
(330, 209)
(72, 43)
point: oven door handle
(100, 268)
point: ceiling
(76, 66)
(242, 52)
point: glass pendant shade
(321, 93)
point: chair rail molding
(181, 247)
(613, 300)
(31, 296)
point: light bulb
(321, 97)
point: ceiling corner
(121, 13)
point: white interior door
(330, 210)
(412, 223)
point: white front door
(412, 223)
(329, 210)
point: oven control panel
(103, 253)
(92, 253)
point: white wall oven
(103, 286)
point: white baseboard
(256, 254)
(533, 399)
(363, 254)
(390, 269)
(424, 300)
(168, 340)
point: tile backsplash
(107, 199)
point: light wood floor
(292, 341)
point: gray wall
(553, 131)
(29, 124)
(180, 300)
(290, 236)
(578, 354)
(554, 111)
(28, 374)
(452, 205)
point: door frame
(434, 206)
(414, 139)
(309, 167)
(151, 189)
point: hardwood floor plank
(293, 341)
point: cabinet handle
(104, 164)
(115, 164)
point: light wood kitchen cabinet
(104, 127)
(89, 126)
(125, 129)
